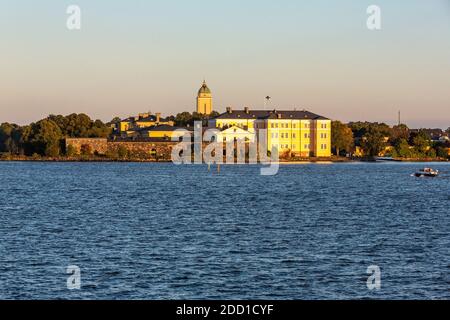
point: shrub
(122, 152)
(71, 151)
(86, 150)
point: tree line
(379, 138)
(46, 137)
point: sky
(134, 56)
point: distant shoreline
(281, 162)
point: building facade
(301, 133)
(131, 125)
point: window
(272, 125)
(293, 135)
(294, 126)
(273, 135)
(282, 136)
(276, 125)
(293, 146)
(306, 146)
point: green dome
(204, 89)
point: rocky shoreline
(137, 160)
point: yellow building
(301, 133)
(161, 132)
(204, 100)
(143, 120)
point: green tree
(183, 119)
(373, 142)
(99, 130)
(341, 137)
(8, 140)
(71, 151)
(421, 142)
(402, 148)
(399, 132)
(43, 137)
(442, 152)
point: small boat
(427, 172)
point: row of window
(286, 125)
(306, 125)
(285, 135)
(286, 146)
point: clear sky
(133, 56)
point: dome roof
(204, 89)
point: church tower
(204, 100)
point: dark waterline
(159, 231)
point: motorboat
(427, 172)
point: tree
(99, 130)
(8, 141)
(71, 151)
(400, 132)
(373, 142)
(442, 152)
(43, 137)
(341, 137)
(114, 120)
(183, 119)
(402, 148)
(421, 142)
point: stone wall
(160, 149)
(99, 145)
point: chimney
(247, 110)
(229, 110)
(158, 117)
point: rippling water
(159, 231)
